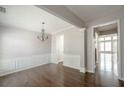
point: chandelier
(43, 36)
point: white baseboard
(72, 67)
(90, 71)
(121, 78)
(69, 60)
(82, 69)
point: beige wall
(15, 42)
(73, 45)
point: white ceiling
(92, 12)
(30, 18)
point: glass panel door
(108, 53)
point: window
(114, 37)
(102, 60)
(101, 39)
(107, 38)
(108, 61)
(101, 46)
(108, 46)
(108, 52)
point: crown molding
(61, 30)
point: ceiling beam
(62, 12)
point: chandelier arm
(43, 36)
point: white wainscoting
(54, 58)
(72, 61)
(8, 66)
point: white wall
(73, 48)
(116, 16)
(20, 49)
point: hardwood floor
(53, 75)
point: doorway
(60, 48)
(107, 53)
(106, 48)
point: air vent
(2, 9)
